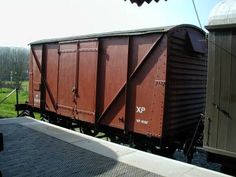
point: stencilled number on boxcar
(142, 121)
(36, 99)
(140, 110)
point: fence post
(17, 99)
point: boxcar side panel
(112, 77)
(146, 87)
(210, 95)
(31, 98)
(36, 58)
(51, 75)
(225, 82)
(213, 116)
(231, 131)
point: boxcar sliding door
(67, 78)
(77, 79)
(86, 80)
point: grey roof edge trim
(220, 27)
(113, 34)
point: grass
(7, 108)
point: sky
(25, 21)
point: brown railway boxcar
(148, 82)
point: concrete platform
(35, 148)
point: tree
(13, 65)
